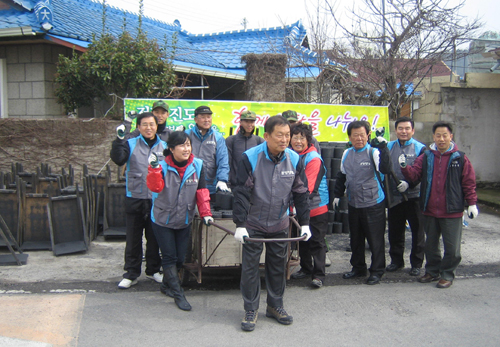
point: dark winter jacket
(236, 145)
(263, 187)
(211, 148)
(447, 180)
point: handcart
(213, 247)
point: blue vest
(319, 197)
(174, 206)
(412, 150)
(273, 183)
(137, 166)
(362, 185)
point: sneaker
(248, 322)
(279, 314)
(157, 277)
(300, 275)
(328, 262)
(316, 282)
(126, 283)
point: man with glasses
(135, 153)
(160, 111)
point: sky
(209, 16)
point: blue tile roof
(80, 19)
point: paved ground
(73, 301)
(389, 314)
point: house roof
(76, 21)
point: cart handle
(248, 239)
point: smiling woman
(179, 182)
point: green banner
(329, 122)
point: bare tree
(393, 43)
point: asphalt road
(389, 314)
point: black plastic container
(224, 201)
(335, 165)
(337, 228)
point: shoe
(352, 274)
(165, 289)
(300, 275)
(279, 314)
(393, 267)
(248, 322)
(373, 279)
(328, 262)
(126, 283)
(427, 278)
(316, 282)
(157, 277)
(444, 284)
(415, 271)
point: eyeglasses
(298, 138)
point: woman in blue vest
(312, 252)
(179, 185)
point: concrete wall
(473, 107)
(30, 80)
(476, 116)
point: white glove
(120, 131)
(240, 234)
(378, 142)
(472, 211)
(222, 186)
(402, 160)
(180, 128)
(335, 203)
(207, 220)
(304, 230)
(402, 186)
(153, 160)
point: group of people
(429, 188)
(168, 173)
